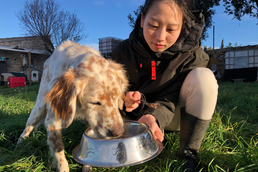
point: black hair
(185, 6)
(190, 20)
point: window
(241, 59)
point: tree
(237, 8)
(207, 48)
(222, 44)
(70, 29)
(229, 45)
(132, 19)
(43, 18)
(207, 9)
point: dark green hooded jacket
(172, 66)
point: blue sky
(104, 18)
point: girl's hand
(132, 100)
(151, 122)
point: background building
(241, 62)
(107, 45)
(18, 53)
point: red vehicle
(13, 82)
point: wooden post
(30, 67)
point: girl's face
(162, 25)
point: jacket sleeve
(166, 111)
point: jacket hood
(188, 40)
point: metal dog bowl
(137, 145)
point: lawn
(230, 143)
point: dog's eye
(95, 103)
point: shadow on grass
(26, 93)
(33, 152)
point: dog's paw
(20, 140)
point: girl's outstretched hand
(151, 122)
(132, 100)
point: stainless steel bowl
(137, 145)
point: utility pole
(213, 37)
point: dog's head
(94, 88)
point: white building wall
(241, 59)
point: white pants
(198, 95)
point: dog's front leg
(54, 139)
(37, 115)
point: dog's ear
(122, 81)
(121, 101)
(62, 98)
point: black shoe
(192, 131)
(190, 165)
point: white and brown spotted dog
(78, 82)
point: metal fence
(234, 34)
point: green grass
(230, 143)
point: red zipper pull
(153, 70)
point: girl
(167, 66)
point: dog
(77, 82)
